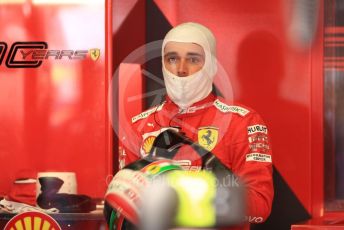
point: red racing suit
(235, 134)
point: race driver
(234, 133)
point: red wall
(54, 117)
(129, 33)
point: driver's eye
(172, 59)
(194, 60)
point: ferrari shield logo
(94, 53)
(207, 137)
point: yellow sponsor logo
(207, 137)
(32, 221)
(148, 144)
(94, 54)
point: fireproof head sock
(184, 91)
(194, 33)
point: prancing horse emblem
(94, 54)
(207, 137)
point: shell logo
(32, 221)
(148, 144)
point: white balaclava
(184, 91)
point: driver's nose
(182, 70)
